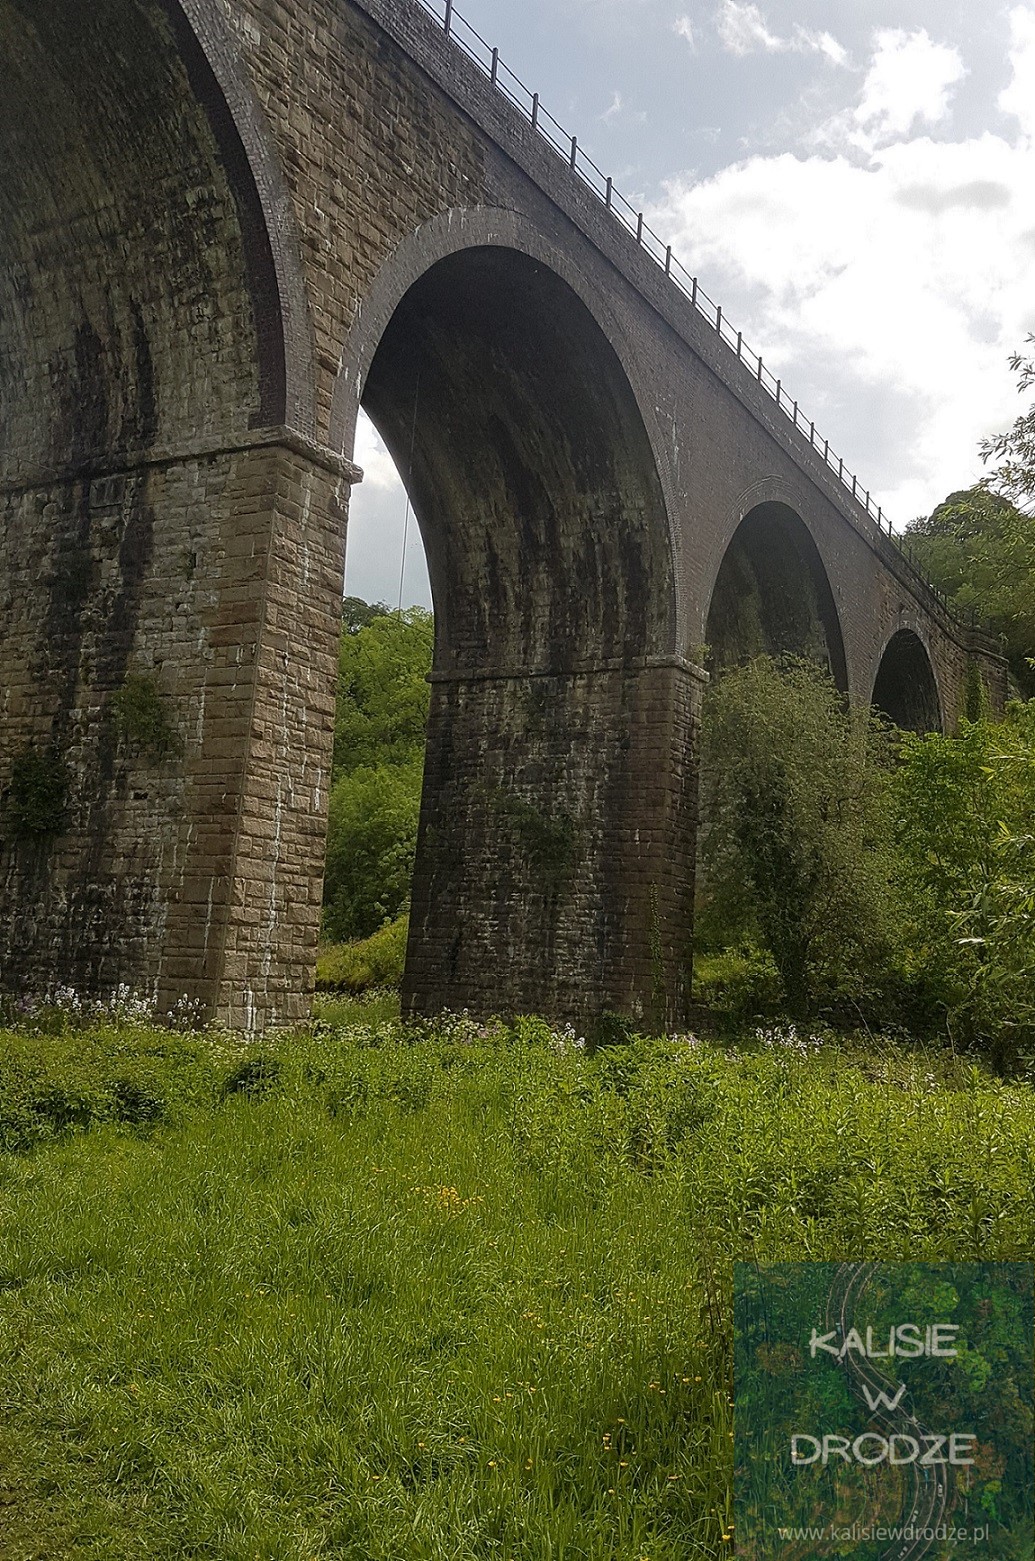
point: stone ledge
(581, 670)
(128, 461)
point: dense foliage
(383, 662)
(890, 875)
(965, 808)
(368, 963)
(378, 764)
(795, 844)
(380, 1293)
(979, 548)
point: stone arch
(504, 233)
(905, 688)
(529, 468)
(512, 418)
(772, 595)
(212, 54)
(146, 297)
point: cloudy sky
(853, 181)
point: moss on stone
(141, 717)
(38, 796)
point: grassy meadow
(454, 1292)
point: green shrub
(371, 843)
(254, 1076)
(60, 1078)
(967, 869)
(143, 722)
(372, 963)
(741, 982)
(796, 840)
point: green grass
(379, 1295)
(374, 963)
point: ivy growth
(141, 717)
(38, 795)
(550, 844)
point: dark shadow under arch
(772, 596)
(139, 302)
(905, 689)
(513, 424)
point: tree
(379, 731)
(356, 613)
(371, 841)
(1014, 451)
(796, 844)
(979, 548)
(964, 808)
(383, 665)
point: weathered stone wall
(161, 544)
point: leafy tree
(356, 613)
(796, 845)
(383, 665)
(964, 810)
(979, 548)
(379, 732)
(371, 840)
(1014, 451)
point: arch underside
(512, 420)
(529, 469)
(772, 596)
(905, 689)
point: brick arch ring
(211, 55)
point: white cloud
(378, 523)
(910, 79)
(1019, 97)
(372, 455)
(684, 27)
(888, 295)
(614, 109)
(823, 43)
(743, 29)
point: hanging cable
(409, 479)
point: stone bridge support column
(175, 675)
(555, 859)
(244, 920)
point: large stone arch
(153, 344)
(905, 686)
(555, 843)
(450, 235)
(771, 594)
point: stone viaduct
(224, 225)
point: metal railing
(470, 42)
